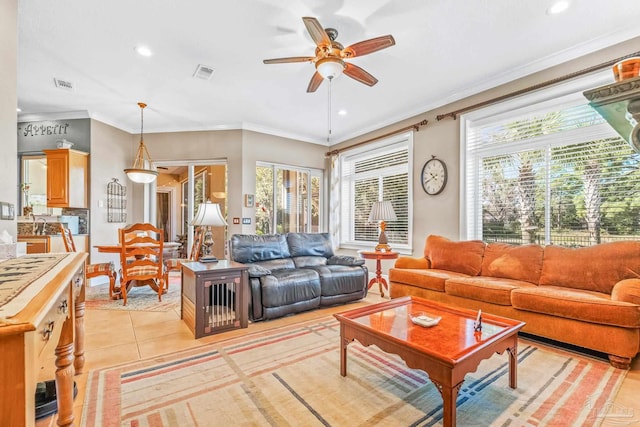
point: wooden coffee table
(446, 351)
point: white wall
(8, 104)
(110, 154)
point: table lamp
(382, 211)
(208, 215)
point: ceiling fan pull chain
(329, 112)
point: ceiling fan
(330, 55)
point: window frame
(345, 231)
(562, 95)
(311, 173)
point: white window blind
(379, 171)
(550, 173)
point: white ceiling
(445, 50)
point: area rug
(290, 376)
(141, 298)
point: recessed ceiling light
(143, 51)
(342, 112)
(558, 7)
(18, 109)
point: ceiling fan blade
(368, 46)
(359, 74)
(315, 82)
(317, 33)
(290, 59)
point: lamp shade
(209, 214)
(330, 67)
(141, 176)
(382, 211)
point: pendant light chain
(142, 105)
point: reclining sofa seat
(295, 272)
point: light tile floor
(115, 337)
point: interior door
(164, 218)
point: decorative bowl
(63, 143)
(424, 319)
(626, 69)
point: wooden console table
(41, 314)
(215, 296)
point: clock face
(434, 176)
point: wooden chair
(141, 258)
(175, 264)
(92, 270)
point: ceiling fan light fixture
(138, 173)
(330, 68)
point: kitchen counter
(37, 243)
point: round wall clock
(434, 176)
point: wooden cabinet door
(67, 178)
(57, 179)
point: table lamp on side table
(208, 215)
(382, 211)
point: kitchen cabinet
(36, 244)
(67, 172)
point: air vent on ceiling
(63, 84)
(203, 72)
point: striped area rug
(290, 376)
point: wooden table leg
(343, 352)
(381, 281)
(64, 374)
(513, 362)
(449, 397)
(78, 362)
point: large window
(287, 199)
(374, 172)
(551, 172)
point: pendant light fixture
(138, 172)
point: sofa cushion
(284, 287)
(461, 257)
(345, 260)
(309, 261)
(310, 244)
(494, 290)
(576, 304)
(595, 268)
(513, 262)
(427, 279)
(276, 264)
(340, 279)
(247, 248)
(627, 290)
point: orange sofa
(589, 297)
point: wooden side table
(215, 296)
(379, 256)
